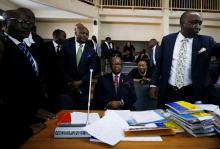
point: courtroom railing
(131, 3)
(198, 5)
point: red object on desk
(64, 119)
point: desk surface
(45, 140)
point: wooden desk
(45, 140)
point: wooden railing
(198, 5)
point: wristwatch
(122, 102)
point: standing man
(77, 58)
(107, 49)
(19, 82)
(183, 61)
(153, 45)
(53, 75)
(115, 90)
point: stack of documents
(140, 118)
(110, 129)
(192, 118)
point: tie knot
(185, 40)
(22, 45)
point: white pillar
(166, 21)
(96, 28)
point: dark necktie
(25, 51)
(116, 83)
(58, 49)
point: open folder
(138, 132)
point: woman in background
(140, 74)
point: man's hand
(114, 104)
(37, 127)
(75, 84)
(41, 113)
(153, 92)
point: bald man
(183, 61)
(115, 90)
(77, 58)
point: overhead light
(1, 17)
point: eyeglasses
(21, 21)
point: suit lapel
(195, 48)
(171, 49)
(111, 83)
(72, 49)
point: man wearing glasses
(19, 83)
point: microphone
(89, 100)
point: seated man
(115, 90)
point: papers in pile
(192, 118)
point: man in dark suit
(107, 49)
(153, 45)
(183, 61)
(115, 90)
(35, 45)
(77, 58)
(19, 82)
(53, 76)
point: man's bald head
(81, 33)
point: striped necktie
(25, 51)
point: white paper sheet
(124, 114)
(81, 117)
(109, 129)
(208, 107)
(146, 116)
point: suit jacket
(69, 69)
(199, 65)
(105, 91)
(106, 53)
(20, 91)
(53, 74)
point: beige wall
(206, 30)
(133, 32)
(45, 29)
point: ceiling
(46, 12)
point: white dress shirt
(113, 76)
(154, 60)
(187, 72)
(77, 46)
(55, 46)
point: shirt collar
(117, 75)
(181, 37)
(55, 44)
(78, 44)
(29, 41)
